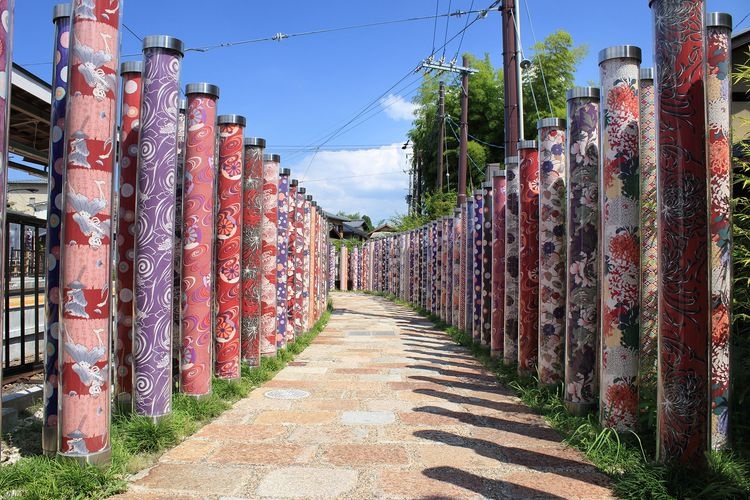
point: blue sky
(298, 91)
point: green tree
(553, 65)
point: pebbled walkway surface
(382, 406)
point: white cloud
(398, 108)
(369, 181)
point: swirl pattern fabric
(510, 320)
(299, 262)
(719, 90)
(252, 216)
(196, 366)
(130, 124)
(229, 252)
(682, 207)
(269, 239)
(620, 235)
(499, 197)
(291, 331)
(85, 295)
(154, 245)
(282, 260)
(486, 306)
(54, 219)
(551, 254)
(306, 231)
(582, 217)
(528, 280)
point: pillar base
(496, 354)
(49, 441)
(101, 458)
(580, 409)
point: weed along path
(380, 405)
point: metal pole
(464, 130)
(441, 134)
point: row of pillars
(600, 257)
(220, 258)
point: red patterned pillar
(528, 279)
(269, 238)
(499, 196)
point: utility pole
(511, 74)
(441, 134)
(463, 147)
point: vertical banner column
(477, 233)
(306, 263)
(552, 273)
(299, 258)
(61, 20)
(510, 319)
(282, 258)
(497, 295)
(461, 319)
(582, 222)
(486, 306)
(85, 249)
(649, 250)
(456, 267)
(619, 267)
(130, 126)
(682, 205)
(269, 242)
(228, 345)
(155, 222)
(252, 216)
(719, 91)
(528, 252)
(469, 271)
(291, 329)
(199, 188)
(448, 282)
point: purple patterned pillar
(582, 216)
(510, 318)
(199, 192)
(468, 326)
(619, 267)
(456, 268)
(154, 234)
(682, 206)
(282, 258)
(719, 91)
(499, 198)
(486, 270)
(552, 273)
(476, 269)
(61, 20)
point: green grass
(625, 457)
(138, 441)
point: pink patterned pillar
(199, 192)
(528, 252)
(85, 250)
(269, 239)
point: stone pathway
(379, 406)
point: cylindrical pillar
(456, 278)
(85, 247)
(528, 254)
(130, 125)
(461, 320)
(228, 346)
(682, 205)
(719, 90)
(199, 194)
(552, 271)
(344, 269)
(252, 215)
(291, 259)
(510, 314)
(619, 266)
(306, 267)
(582, 222)
(486, 294)
(299, 259)
(61, 20)
(155, 221)
(269, 236)
(282, 257)
(469, 271)
(477, 248)
(497, 295)
(649, 252)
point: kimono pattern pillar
(291, 331)
(252, 216)
(130, 125)
(299, 259)
(154, 229)
(477, 235)
(469, 271)
(510, 314)
(269, 242)
(528, 252)
(582, 216)
(619, 195)
(719, 91)
(306, 266)
(344, 269)
(85, 249)
(552, 272)
(497, 294)
(199, 188)
(682, 207)
(649, 249)
(456, 278)
(486, 305)
(228, 318)
(282, 258)
(61, 20)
